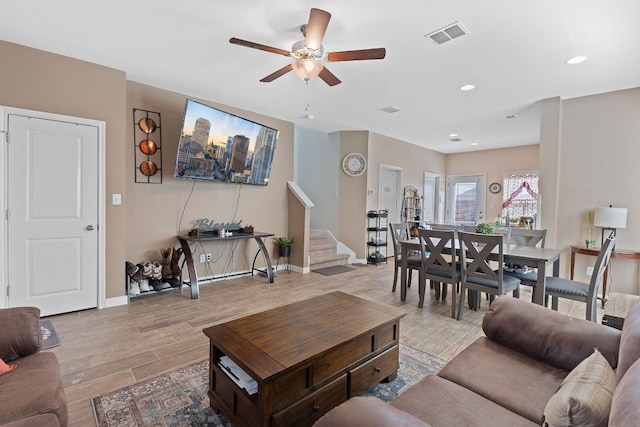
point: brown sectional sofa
(507, 377)
(32, 394)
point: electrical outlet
(208, 257)
(589, 271)
(203, 258)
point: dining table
(531, 256)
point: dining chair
(399, 232)
(438, 266)
(557, 287)
(477, 251)
(525, 237)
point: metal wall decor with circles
(147, 141)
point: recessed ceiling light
(511, 116)
(453, 135)
(474, 143)
(467, 87)
(576, 60)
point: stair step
(329, 261)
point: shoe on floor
(144, 285)
(134, 289)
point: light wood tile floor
(102, 350)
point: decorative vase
(590, 244)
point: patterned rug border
(414, 365)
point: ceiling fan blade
(259, 46)
(357, 55)
(281, 72)
(317, 26)
(328, 77)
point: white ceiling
(514, 54)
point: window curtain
(520, 194)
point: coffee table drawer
(375, 370)
(308, 410)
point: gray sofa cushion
(540, 333)
(439, 402)
(500, 374)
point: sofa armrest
(361, 411)
(20, 333)
(557, 339)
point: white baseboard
(116, 301)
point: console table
(617, 253)
(188, 256)
(305, 358)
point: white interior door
(52, 211)
(389, 193)
(466, 198)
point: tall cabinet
(377, 225)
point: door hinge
(6, 136)
(7, 290)
(6, 214)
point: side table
(617, 309)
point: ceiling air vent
(390, 109)
(450, 32)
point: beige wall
(150, 215)
(413, 161)
(352, 197)
(41, 81)
(493, 164)
(598, 166)
(156, 213)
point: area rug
(336, 269)
(179, 397)
(49, 336)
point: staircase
(323, 251)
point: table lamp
(610, 219)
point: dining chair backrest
(445, 227)
(528, 237)
(399, 232)
(433, 245)
(601, 265)
(476, 253)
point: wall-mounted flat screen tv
(222, 147)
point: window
(520, 196)
(466, 198)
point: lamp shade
(610, 217)
(307, 68)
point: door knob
(90, 227)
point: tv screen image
(222, 147)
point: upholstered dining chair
(439, 264)
(557, 287)
(477, 271)
(526, 237)
(399, 232)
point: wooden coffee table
(306, 358)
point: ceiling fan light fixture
(307, 68)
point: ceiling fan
(309, 53)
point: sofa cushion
(367, 411)
(625, 407)
(21, 334)
(630, 341)
(551, 337)
(34, 387)
(584, 398)
(442, 403)
(500, 374)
